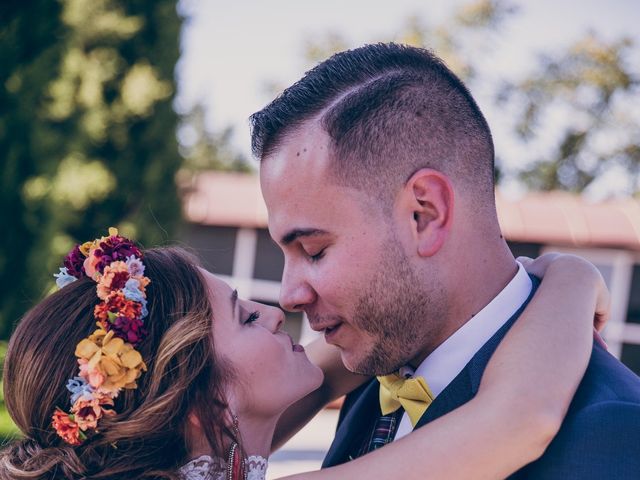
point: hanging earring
(235, 462)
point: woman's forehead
(216, 286)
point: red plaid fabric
(382, 433)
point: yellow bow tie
(412, 394)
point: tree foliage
(576, 106)
(590, 95)
(87, 133)
(205, 149)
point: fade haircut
(389, 110)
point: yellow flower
(86, 247)
(116, 361)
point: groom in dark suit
(377, 171)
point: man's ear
(429, 200)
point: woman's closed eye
(252, 317)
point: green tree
(467, 32)
(87, 133)
(205, 149)
(587, 92)
(466, 35)
(590, 92)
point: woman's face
(270, 371)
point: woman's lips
(294, 346)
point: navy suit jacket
(599, 438)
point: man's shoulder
(601, 440)
(607, 400)
(600, 436)
(606, 380)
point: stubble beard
(398, 312)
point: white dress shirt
(447, 361)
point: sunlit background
(539, 70)
(134, 114)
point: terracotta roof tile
(227, 199)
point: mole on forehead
(304, 136)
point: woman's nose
(273, 319)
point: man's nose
(295, 291)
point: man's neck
(481, 282)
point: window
(633, 314)
(215, 246)
(269, 259)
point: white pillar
(244, 256)
(621, 276)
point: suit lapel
(465, 386)
(355, 424)
(358, 420)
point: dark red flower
(115, 248)
(73, 261)
(129, 329)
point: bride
(144, 365)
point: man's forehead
(305, 150)
(300, 193)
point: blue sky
(232, 49)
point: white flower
(63, 278)
(135, 266)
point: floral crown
(108, 361)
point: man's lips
(330, 327)
(331, 332)
(319, 325)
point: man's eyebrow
(301, 232)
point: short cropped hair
(389, 111)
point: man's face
(344, 265)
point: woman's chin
(309, 381)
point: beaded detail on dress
(256, 467)
(208, 468)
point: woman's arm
(523, 397)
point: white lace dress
(208, 468)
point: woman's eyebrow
(234, 299)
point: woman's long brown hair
(147, 438)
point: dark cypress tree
(87, 133)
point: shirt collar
(447, 361)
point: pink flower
(113, 278)
(93, 376)
(91, 264)
(88, 412)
